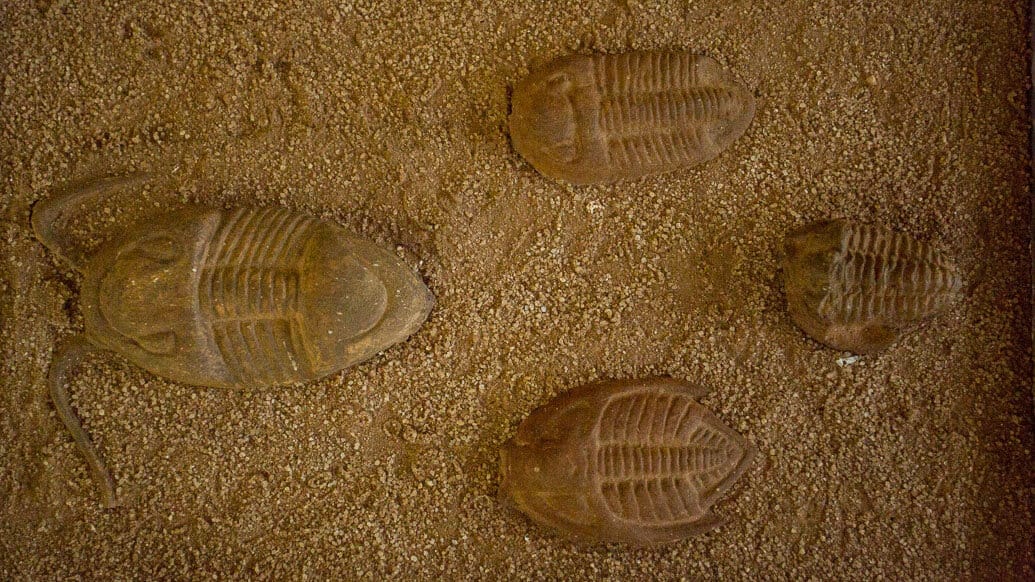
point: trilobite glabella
(242, 298)
(591, 119)
(639, 462)
(857, 287)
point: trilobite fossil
(857, 287)
(590, 119)
(241, 298)
(636, 461)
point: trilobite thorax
(637, 462)
(247, 298)
(658, 461)
(857, 287)
(601, 118)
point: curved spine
(50, 216)
(68, 356)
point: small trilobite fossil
(636, 461)
(857, 287)
(590, 119)
(242, 298)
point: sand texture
(390, 118)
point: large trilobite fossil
(590, 119)
(241, 298)
(636, 461)
(857, 287)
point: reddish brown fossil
(857, 287)
(635, 461)
(241, 298)
(601, 118)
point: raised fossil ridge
(636, 461)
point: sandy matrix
(390, 118)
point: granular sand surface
(390, 118)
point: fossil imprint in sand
(591, 119)
(637, 461)
(242, 298)
(857, 287)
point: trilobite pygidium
(227, 298)
(590, 119)
(632, 461)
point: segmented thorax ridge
(655, 108)
(657, 459)
(249, 294)
(882, 275)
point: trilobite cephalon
(242, 298)
(857, 287)
(636, 461)
(601, 118)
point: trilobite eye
(159, 248)
(560, 428)
(564, 151)
(818, 261)
(571, 469)
(550, 435)
(162, 343)
(546, 437)
(559, 82)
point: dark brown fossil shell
(601, 118)
(244, 298)
(857, 287)
(639, 462)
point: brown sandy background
(390, 117)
